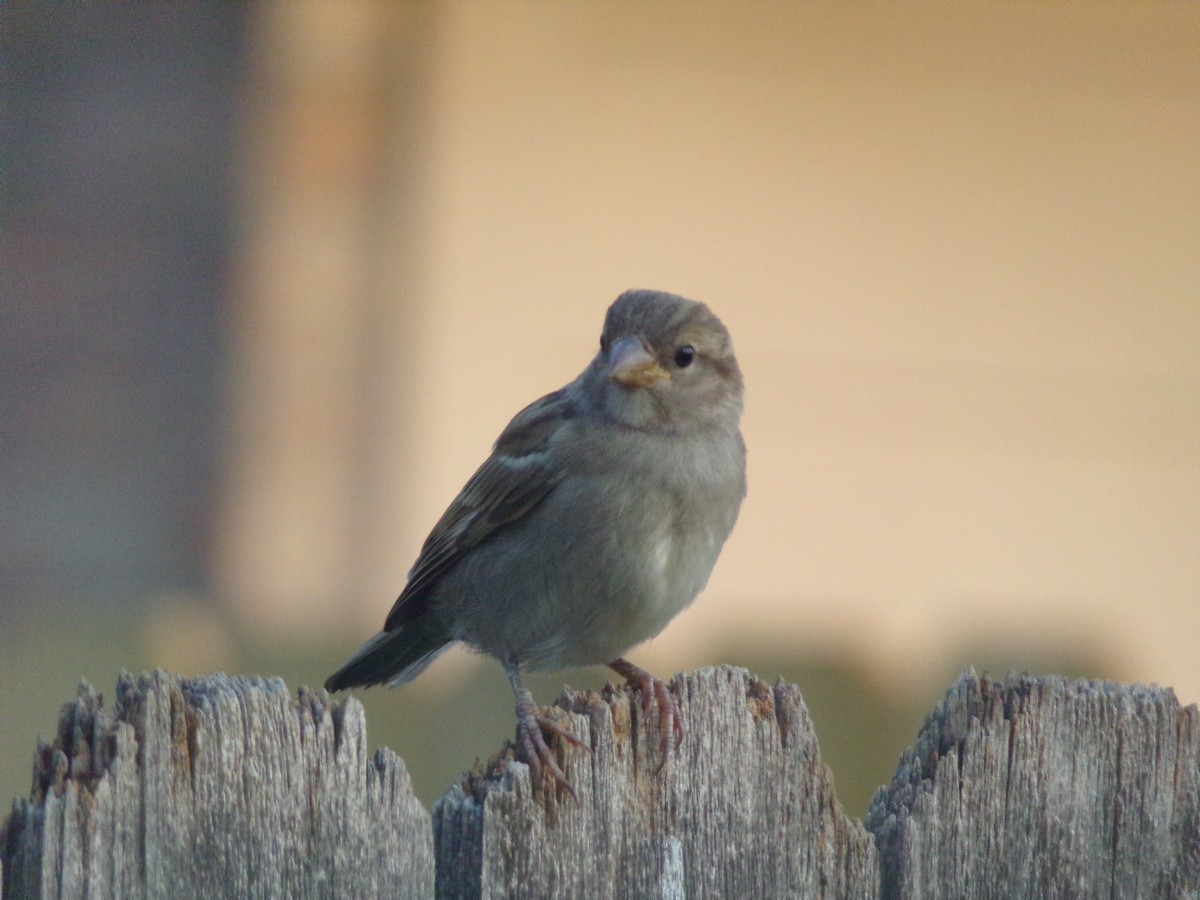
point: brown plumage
(598, 517)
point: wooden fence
(217, 786)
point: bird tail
(392, 657)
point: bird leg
(670, 721)
(531, 742)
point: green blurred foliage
(442, 729)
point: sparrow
(598, 517)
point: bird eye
(684, 356)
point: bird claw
(655, 692)
(533, 749)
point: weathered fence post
(1029, 787)
(216, 787)
(1043, 787)
(744, 809)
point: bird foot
(533, 749)
(654, 692)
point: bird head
(666, 364)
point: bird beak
(631, 365)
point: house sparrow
(597, 518)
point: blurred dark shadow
(115, 235)
(116, 135)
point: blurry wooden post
(1030, 787)
(325, 314)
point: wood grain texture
(1045, 788)
(230, 787)
(745, 808)
(216, 787)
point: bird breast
(604, 562)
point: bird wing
(518, 475)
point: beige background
(956, 245)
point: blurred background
(273, 277)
